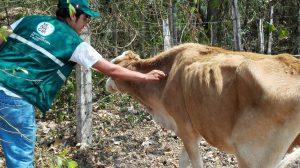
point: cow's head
(123, 60)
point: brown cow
(240, 102)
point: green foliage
(271, 27)
(63, 161)
(283, 33)
(216, 3)
(4, 33)
(197, 1)
(134, 119)
(141, 22)
(65, 101)
(193, 10)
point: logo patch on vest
(45, 28)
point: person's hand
(155, 75)
(5, 32)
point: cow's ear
(132, 55)
(116, 61)
(123, 56)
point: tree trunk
(213, 39)
(115, 36)
(174, 25)
(170, 19)
(6, 13)
(270, 41)
(261, 36)
(172, 22)
(84, 100)
(298, 36)
(213, 13)
(236, 26)
(166, 34)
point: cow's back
(214, 99)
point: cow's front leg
(191, 145)
(184, 160)
(173, 93)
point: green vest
(34, 62)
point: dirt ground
(127, 139)
(121, 139)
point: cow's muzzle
(111, 86)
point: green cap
(82, 5)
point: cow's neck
(163, 63)
(151, 92)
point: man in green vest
(35, 60)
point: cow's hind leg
(253, 157)
(267, 151)
(289, 158)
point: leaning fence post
(84, 100)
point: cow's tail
(289, 158)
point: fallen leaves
(119, 143)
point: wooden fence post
(166, 34)
(261, 36)
(84, 100)
(236, 26)
(270, 41)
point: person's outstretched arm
(119, 73)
